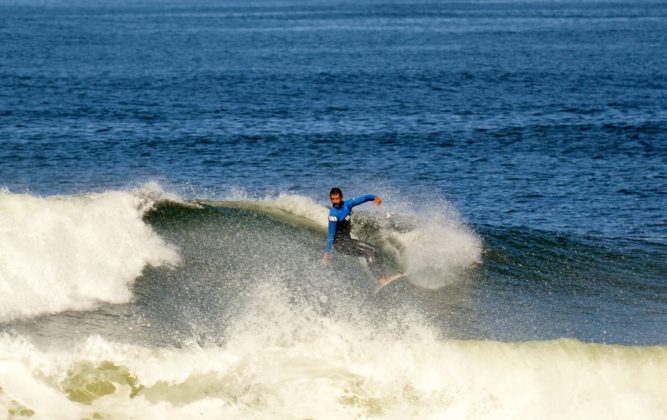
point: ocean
(165, 168)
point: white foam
(439, 248)
(73, 252)
(282, 361)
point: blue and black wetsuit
(340, 239)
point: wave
(234, 315)
(74, 252)
(288, 361)
(174, 268)
(585, 265)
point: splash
(440, 248)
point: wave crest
(73, 252)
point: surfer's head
(336, 196)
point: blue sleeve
(332, 232)
(362, 199)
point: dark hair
(336, 191)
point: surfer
(339, 234)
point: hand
(325, 259)
(377, 200)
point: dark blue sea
(164, 177)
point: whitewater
(314, 367)
(69, 253)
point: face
(336, 200)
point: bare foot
(386, 279)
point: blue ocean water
(537, 130)
(549, 115)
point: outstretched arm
(365, 198)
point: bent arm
(362, 199)
(332, 232)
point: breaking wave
(73, 252)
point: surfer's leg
(372, 256)
(357, 248)
(349, 247)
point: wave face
(73, 252)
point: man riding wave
(339, 238)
